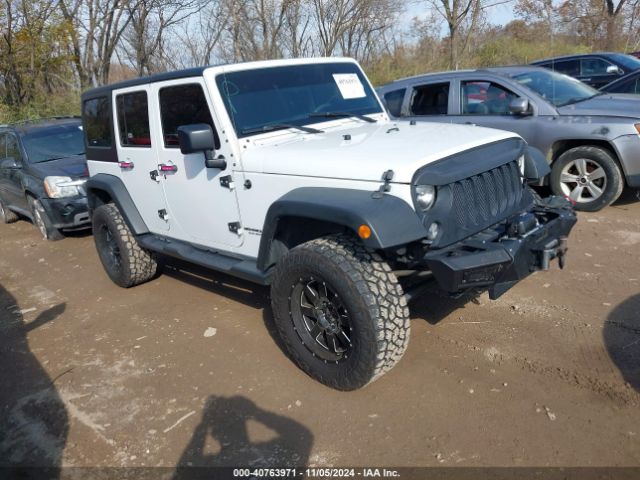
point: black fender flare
(393, 221)
(118, 192)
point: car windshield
(627, 61)
(265, 99)
(51, 143)
(555, 87)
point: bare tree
(97, 29)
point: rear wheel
(42, 221)
(125, 261)
(340, 311)
(589, 176)
(6, 215)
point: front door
(486, 103)
(201, 202)
(138, 155)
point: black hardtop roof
(158, 77)
(26, 126)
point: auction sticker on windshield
(349, 85)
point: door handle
(163, 167)
(126, 165)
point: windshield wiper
(571, 101)
(342, 114)
(279, 126)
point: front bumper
(498, 258)
(67, 213)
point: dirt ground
(184, 370)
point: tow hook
(555, 249)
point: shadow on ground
(235, 432)
(622, 339)
(33, 419)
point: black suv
(595, 69)
(43, 170)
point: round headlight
(425, 196)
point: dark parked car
(42, 175)
(630, 83)
(595, 69)
(591, 139)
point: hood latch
(385, 187)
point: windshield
(294, 95)
(555, 87)
(53, 142)
(627, 61)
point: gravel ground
(185, 370)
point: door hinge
(235, 227)
(227, 182)
(154, 175)
(162, 213)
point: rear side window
(95, 114)
(393, 101)
(13, 150)
(430, 99)
(133, 119)
(568, 67)
(183, 105)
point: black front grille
(487, 198)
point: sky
(497, 15)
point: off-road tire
(6, 215)
(599, 156)
(42, 221)
(125, 261)
(371, 293)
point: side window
(485, 98)
(13, 149)
(430, 99)
(3, 145)
(393, 101)
(97, 122)
(568, 67)
(595, 66)
(133, 119)
(183, 105)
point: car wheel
(589, 176)
(125, 261)
(6, 215)
(42, 222)
(340, 311)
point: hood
(364, 151)
(608, 104)
(73, 166)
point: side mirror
(199, 138)
(614, 69)
(10, 163)
(519, 106)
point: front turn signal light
(364, 231)
(637, 125)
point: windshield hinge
(385, 187)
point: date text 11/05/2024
(315, 473)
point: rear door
(137, 144)
(201, 202)
(12, 188)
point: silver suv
(590, 138)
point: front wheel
(589, 176)
(42, 221)
(340, 311)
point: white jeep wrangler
(289, 173)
